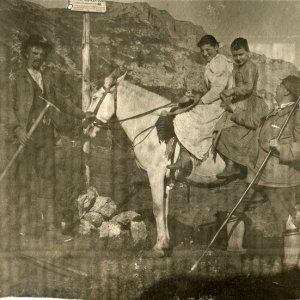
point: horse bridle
(109, 91)
(105, 125)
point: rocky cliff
(158, 50)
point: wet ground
(88, 268)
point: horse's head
(104, 101)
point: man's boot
(23, 215)
(47, 214)
(230, 170)
(291, 240)
(235, 232)
(24, 222)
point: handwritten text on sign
(87, 5)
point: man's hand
(89, 118)
(22, 136)
(274, 146)
(227, 103)
(230, 107)
(189, 94)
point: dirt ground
(88, 268)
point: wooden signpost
(86, 6)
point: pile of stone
(99, 215)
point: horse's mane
(141, 96)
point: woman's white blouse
(218, 76)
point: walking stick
(30, 132)
(247, 190)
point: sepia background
(156, 43)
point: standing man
(23, 107)
(280, 179)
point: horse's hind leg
(156, 179)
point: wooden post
(86, 88)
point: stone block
(86, 228)
(86, 200)
(94, 218)
(104, 206)
(126, 217)
(109, 230)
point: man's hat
(37, 41)
(292, 84)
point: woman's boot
(184, 161)
(231, 169)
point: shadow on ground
(285, 286)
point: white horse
(138, 110)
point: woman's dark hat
(36, 40)
(292, 84)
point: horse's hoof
(154, 253)
(158, 253)
(237, 250)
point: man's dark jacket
(282, 170)
(21, 96)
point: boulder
(85, 227)
(122, 241)
(138, 232)
(86, 200)
(115, 237)
(126, 217)
(104, 206)
(94, 218)
(109, 230)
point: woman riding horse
(194, 128)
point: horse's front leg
(156, 179)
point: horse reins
(106, 125)
(99, 122)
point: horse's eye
(94, 98)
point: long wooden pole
(261, 168)
(21, 147)
(86, 89)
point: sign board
(87, 5)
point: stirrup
(177, 165)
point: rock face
(159, 51)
